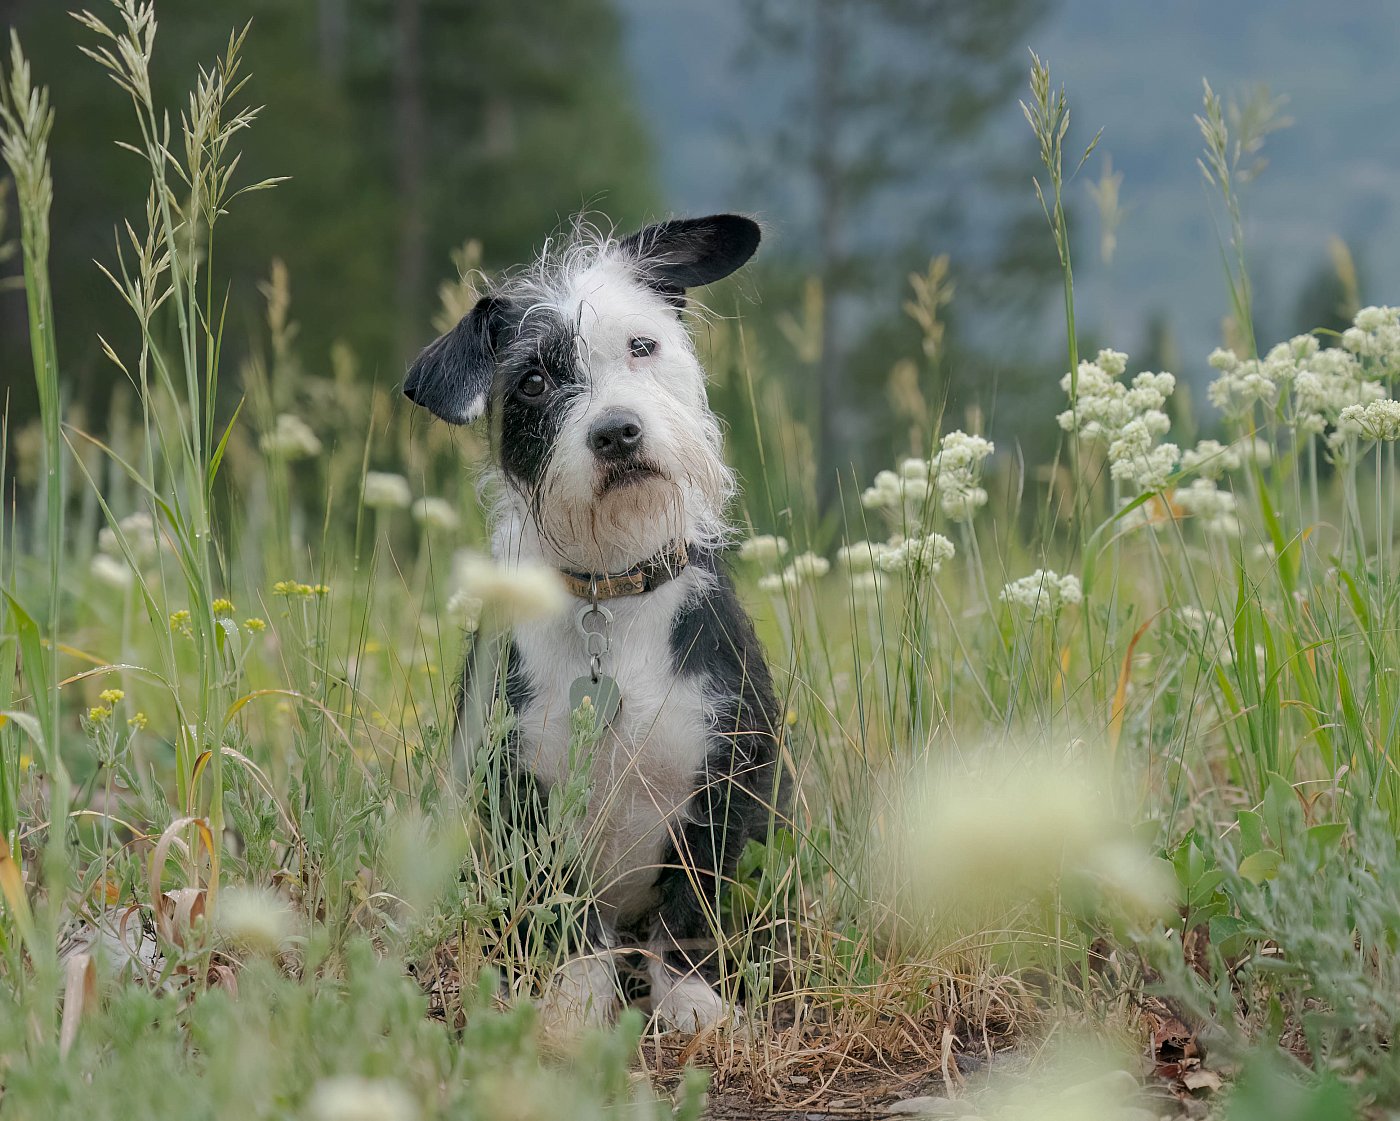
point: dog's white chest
(644, 769)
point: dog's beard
(627, 513)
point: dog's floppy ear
(689, 252)
(452, 376)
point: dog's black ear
(452, 376)
(689, 252)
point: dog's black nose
(616, 434)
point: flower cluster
(515, 593)
(435, 513)
(1213, 508)
(291, 438)
(1312, 384)
(1375, 336)
(1376, 420)
(956, 471)
(863, 556)
(293, 588)
(1043, 592)
(918, 556)
(903, 493)
(804, 568)
(1210, 458)
(1126, 417)
(386, 491)
(765, 548)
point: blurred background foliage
(871, 137)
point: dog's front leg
(685, 937)
(583, 992)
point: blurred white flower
(771, 584)
(386, 491)
(255, 919)
(111, 571)
(1014, 830)
(348, 1097)
(1211, 459)
(1043, 592)
(807, 566)
(1214, 509)
(861, 555)
(866, 586)
(435, 513)
(464, 609)
(514, 593)
(291, 438)
(139, 531)
(1375, 336)
(763, 548)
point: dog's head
(602, 432)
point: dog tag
(605, 694)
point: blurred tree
(893, 97)
(406, 127)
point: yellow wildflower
(254, 626)
(321, 589)
(97, 714)
(138, 722)
(180, 624)
(110, 696)
(222, 606)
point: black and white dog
(608, 468)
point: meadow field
(1097, 800)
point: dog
(607, 467)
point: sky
(1134, 69)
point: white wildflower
(914, 469)
(514, 593)
(1043, 592)
(291, 438)
(1211, 459)
(956, 472)
(464, 609)
(1148, 469)
(807, 566)
(861, 556)
(1126, 418)
(139, 532)
(1375, 336)
(765, 548)
(1213, 508)
(386, 491)
(1377, 420)
(435, 513)
(901, 495)
(348, 1097)
(111, 571)
(866, 586)
(919, 555)
(255, 919)
(772, 584)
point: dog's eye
(641, 348)
(531, 385)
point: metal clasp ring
(596, 644)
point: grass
(1070, 745)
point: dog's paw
(688, 1004)
(582, 994)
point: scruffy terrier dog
(608, 468)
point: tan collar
(637, 580)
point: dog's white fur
(574, 526)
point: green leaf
(1251, 831)
(1260, 866)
